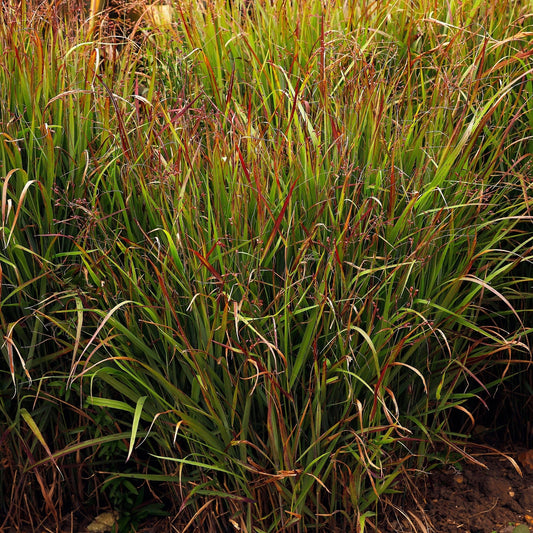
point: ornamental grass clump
(267, 257)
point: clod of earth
(526, 460)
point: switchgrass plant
(282, 243)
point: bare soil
(473, 499)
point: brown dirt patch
(472, 499)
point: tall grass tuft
(267, 254)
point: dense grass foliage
(258, 261)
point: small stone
(103, 522)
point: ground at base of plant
(473, 499)
(454, 499)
